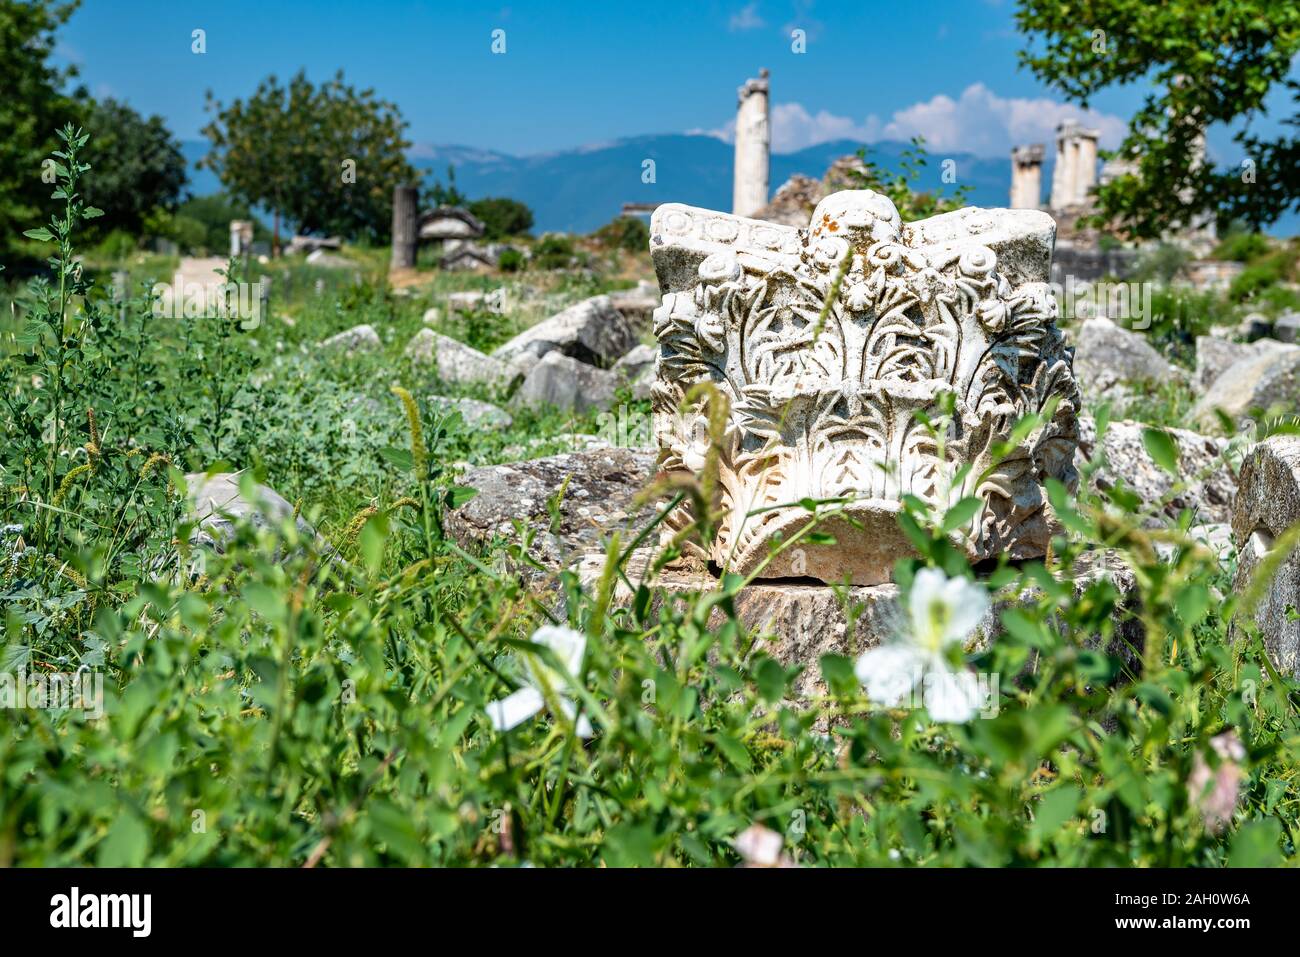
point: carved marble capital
(864, 360)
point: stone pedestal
(801, 621)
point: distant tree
(204, 222)
(32, 106)
(553, 251)
(448, 195)
(511, 260)
(1241, 245)
(138, 166)
(325, 157)
(1206, 62)
(625, 232)
(1163, 261)
(502, 217)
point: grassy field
(302, 702)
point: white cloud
(746, 18)
(981, 122)
(794, 128)
(978, 121)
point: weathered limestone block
(1203, 468)
(592, 331)
(1214, 354)
(833, 346)
(1108, 357)
(566, 384)
(637, 369)
(599, 488)
(1268, 503)
(357, 339)
(218, 504)
(1287, 327)
(459, 363)
(474, 413)
(1268, 378)
(637, 304)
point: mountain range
(581, 189)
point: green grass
(295, 702)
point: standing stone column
(406, 200)
(1086, 166)
(1076, 165)
(241, 237)
(753, 147)
(1027, 176)
(1063, 170)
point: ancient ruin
(753, 147)
(1075, 172)
(863, 359)
(1027, 176)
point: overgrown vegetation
(305, 701)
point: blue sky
(582, 73)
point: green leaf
(1162, 448)
(458, 495)
(126, 844)
(401, 458)
(838, 672)
(1192, 603)
(42, 235)
(393, 827)
(373, 535)
(771, 679)
(266, 601)
(733, 750)
(961, 513)
(1256, 845)
(91, 212)
(1054, 809)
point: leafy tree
(1208, 61)
(325, 157)
(138, 166)
(502, 217)
(32, 105)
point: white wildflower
(569, 647)
(942, 612)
